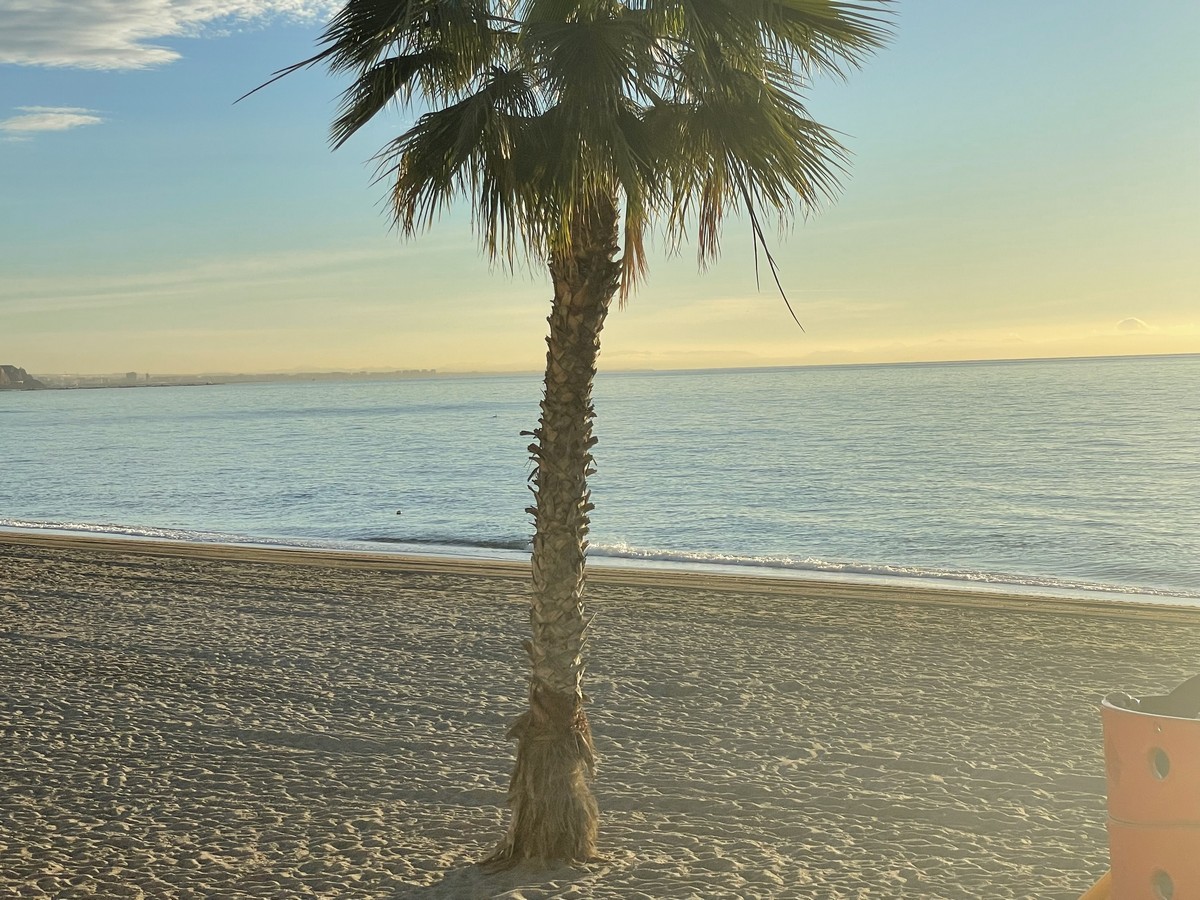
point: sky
(1025, 183)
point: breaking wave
(626, 555)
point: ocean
(1066, 477)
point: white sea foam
(625, 555)
(882, 573)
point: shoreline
(631, 574)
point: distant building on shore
(13, 378)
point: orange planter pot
(1153, 766)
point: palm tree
(574, 127)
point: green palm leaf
(682, 110)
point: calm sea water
(1048, 476)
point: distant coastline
(143, 379)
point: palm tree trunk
(554, 814)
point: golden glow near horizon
(1011, 195)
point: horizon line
(459, 373)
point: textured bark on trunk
(554, 814)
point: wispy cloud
(34, 119)
(124, 34)
(206, 279)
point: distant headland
(13, 378)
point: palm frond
(680, 111)
(822, 34)
(365, 31)
(380, 85)
(467, 149)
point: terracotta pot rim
(1107, 702)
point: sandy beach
(215, 722)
